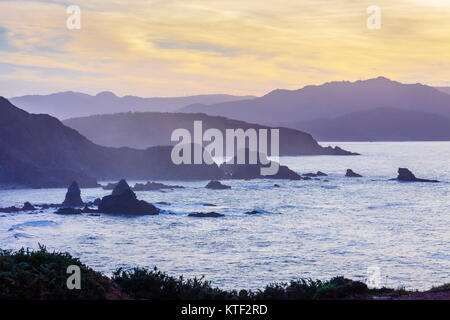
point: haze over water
(310, 229)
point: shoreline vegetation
(41, 275)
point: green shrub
(153, 284)
(37, 275)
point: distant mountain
(141, 130)
(444, 89)
(66, 105)
(331, 100)
(39, 151)
(382, 124)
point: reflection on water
(316, 229)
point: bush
(153, 284)
(42, 275)
(336, 288)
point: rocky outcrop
(351, 174)
(28, 207)
(317, 174)
(38, 151)
(73, 196)
(233, 170)
(68, 211)
(10, 209)
(123, 201)
(206, 215)
(405, 174)
(217, 185)
(152, 186)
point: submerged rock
(28, 207)
(233, 170)
(209, 205)
(10, 209)
(206, 215)
(151, 186)
(109, 186)
(310, 174)
(73, 196)
(86, 209)
(405, 174)
(68, 211)
(217, 185)
(351, 174)
(252, 212)
(123, 201)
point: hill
(37, 150)
(141, 130)
(331, 100)
(69, 104)
(382, 124)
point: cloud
(175, 47)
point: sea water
(305, 229)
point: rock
(151, 186)
(276, 185)
(97, 202)
(73, 196)
(109, 186)
(28, 207)
(252, 212)
(68, 211)
(123, 201)
(120, 188)
(86, 209)
(216, 185)
(206, 215)
(10, 209)
(306, 178)
(321, 174)
(233, 170)
(351, 174)
(405, 174)
(209, 205)
(309, 175)
(163, 203)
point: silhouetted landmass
(380, 124)
(39, 151)
(65, 105)
(444, 89)
(347, 108)
(141, 130)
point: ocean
(315, 229)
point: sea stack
(405, 174)
(73, 196)
(351, 174)
(123, 201)
(217, 185)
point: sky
(185, 47)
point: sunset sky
(184, 47)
